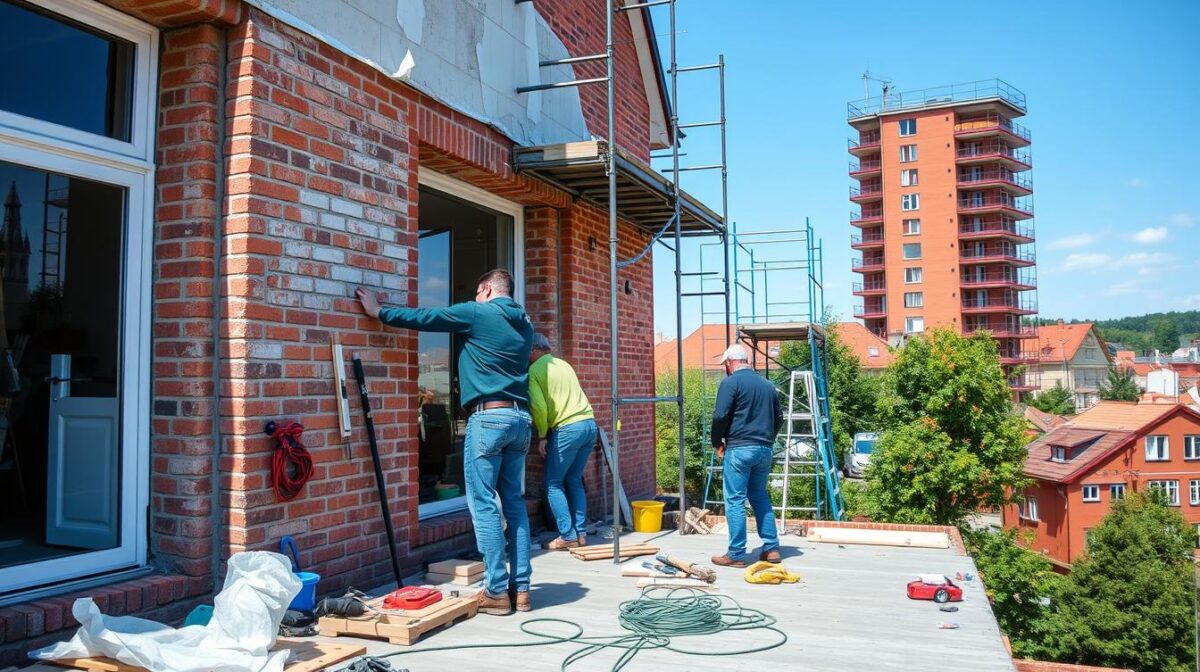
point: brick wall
(1043, 666)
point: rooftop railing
(990, 121)
(954, 93)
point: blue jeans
(567, 451)
(494, 470)
(745, 473)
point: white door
(82, 504)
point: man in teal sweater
(562, 414)
(493, 356)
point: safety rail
(994, 226)
(991, 121)
(1021, 303)
(972, 177)
(1002, 329)
(869, 312)
(864, 141)
(869, 286)
(1005, 252)
(865, 166)
(995, 150)
(953, 93)
(995, 200)
(864, 238)
(866, 263)
(1007, 277)
(866, 215)
(867, 191)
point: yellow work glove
(766, 572)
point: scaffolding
(656, 204)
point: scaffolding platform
(779, 331)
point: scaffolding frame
(674, 225)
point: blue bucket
(306, 599)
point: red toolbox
(411, 597)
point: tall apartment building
(945, 220)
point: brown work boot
(495, 606)
(726, 561)
(772, 557)
(523, 603)
(560, 544)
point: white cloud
(1135, 182)
(1151, 235)
(1123, 289)
(1193, 300)
(1183, 220)
(1087, 261)
(1068, 242)
(1148, 259)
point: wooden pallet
(306, 656)
(401, 627)
(606, 552)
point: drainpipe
(215, 326)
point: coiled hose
(653, 620)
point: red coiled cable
(291, 465)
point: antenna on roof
(867, 78)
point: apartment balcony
(867, 217)
(1000, 178)
(1014, 357)
(992, 125)
(1010, 304)
(865, 168)
(867, 193)
(869, 288)
(867, 143)
(1000, 278)
(995, 152)
(1025, 381)
(867, 240)
(867, 264)
(1004, 228)
(995, 203)
(869, 312)
(983, 253)
(1002, 329)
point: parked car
(934, 587)
(860, 454)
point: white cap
(737, 351)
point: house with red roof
(1073, 355)
(1099, 456)
(703, 347)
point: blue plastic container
(306, 599)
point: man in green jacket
(493, 356)
(562, 414)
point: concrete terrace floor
(849, 612)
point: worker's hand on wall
(369, 303)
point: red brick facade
(310, 171)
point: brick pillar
(186, 182)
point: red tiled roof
(701, 349)
(1056, 339)
(1042, 420)
(1091, 436)
(872, 351)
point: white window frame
(909, 177)
(1116, 491)
(911, 227)
(1171, 487)
(475, 196)
(1194, 492)
(1191, 446)
(1160, 449)
(914, 299)
(910, 202)
(909, 322)
(1058, 454)
(1091, 493)
(906, 247)
(130, 166)
(908, 153)
(920, 274)
(911, 123)
(1027, 509)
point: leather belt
(489, 405)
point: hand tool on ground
(657, 567)
(699, 571)
(380, 483)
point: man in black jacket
(745, 422)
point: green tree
(1057, 400)
(667, 431)
(1018, 582)
(852, 393)
(1165, 333)
(1119, 386)
(953, 442)
(1128, 600)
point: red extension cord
(291, 465)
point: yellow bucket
(647, 516)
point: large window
(912, 250)
(1091, 493)
(914, 299)
(1194, 492)
(1191, 447)
(1158, 448)
(908, 153)
(76, 179)
(914, 325)
(912, 276)
(908, 127)
(1116, 491)
(1170, 490)
(1027, 509)
(912, 227)
(910, 202)
(908, 177)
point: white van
(860, 454)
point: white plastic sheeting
(245, 620)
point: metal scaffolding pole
(675, 189)
(614, 417)
(724, 199)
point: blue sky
(1113, 91)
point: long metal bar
(694, 68)
(700, 124)
(724, 201)
(572, 59)
(678, 276)
(615, 411)
(380, 481)
(685, 169)
(649, 400)
(562, 85)
(653, 3)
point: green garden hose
(652, 621)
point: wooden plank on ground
(606, 552)
(307, 656)
(850, 535)
(456, 567)
(401, 627)
(651, 581)
(634, 568)
(436, 578)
